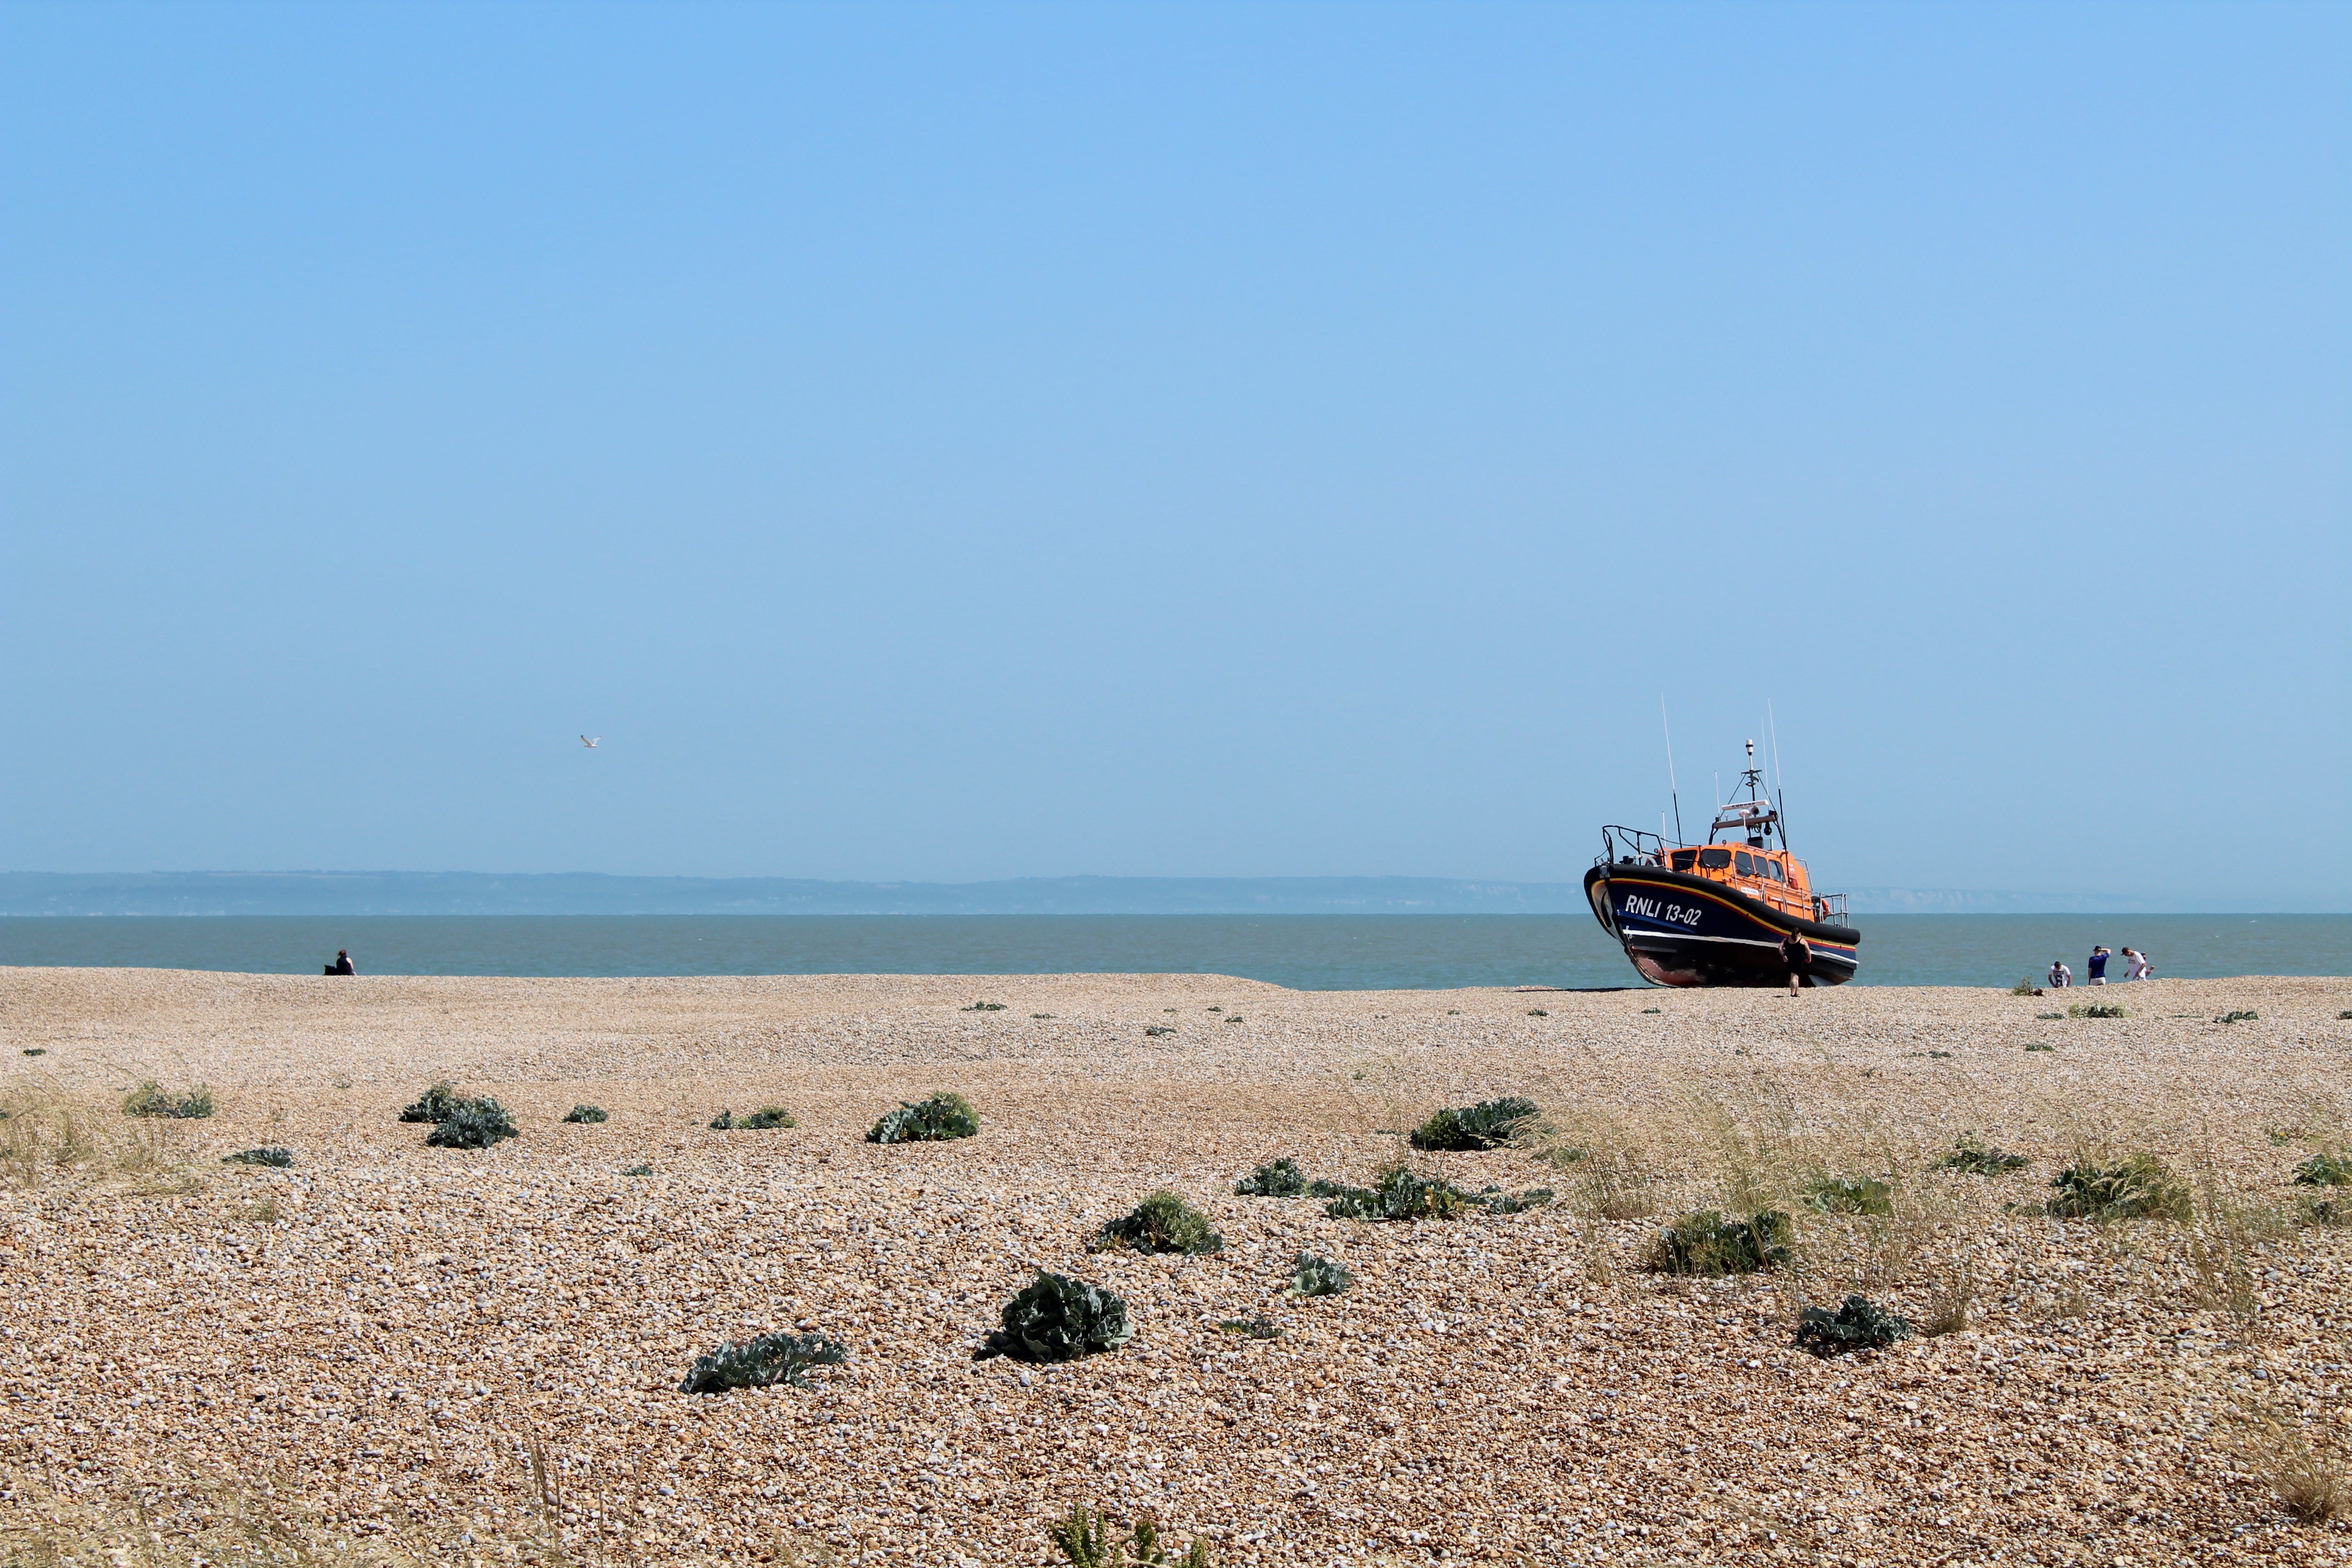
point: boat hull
(1681, 930)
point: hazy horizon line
(352, 893)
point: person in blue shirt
(2098, 966)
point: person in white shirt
(2061, 977)
(2137, 967)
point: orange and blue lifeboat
(1716, 914)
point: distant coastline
(453, 894)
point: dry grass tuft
(46, 1137)
(2307, 1480)
(199, 1522)
(1951, 1298)
(2223, 1241)
(43, 1135)
(1615, 1179)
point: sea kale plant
(460, 1120)
(472, 1124)
(761, 1362)
(1259, 1327)
(151, 1099)
(2099, 1010)
(2140, 1187)
(1056, 1318)
(2326, 1171)
(1851, 1194)
(1706, 1243)
(1400, 1192)
(276, 1158)
(586, 1113)
(1969, 1154)
(764, 1120)
(1283, 1179)
(1489, 1124)
(433, 1105)
(1162, 1223)
(1855, 1326)
(1313, 1276)
(941, 1116)
(1495, 1200)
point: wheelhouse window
(1746, 863)
(1684, 860)
(1714, 859)
(1772, 868)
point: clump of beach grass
(1951, 1298)
(2099, 1010)
(586, 1113)
(2307, 1479)
(1086, 1540)
(2141, 1186)
(276, 1158)
(43, 1133)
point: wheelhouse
(1752, 864)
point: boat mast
(1780, 780)
(1671, 787)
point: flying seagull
(590, 740)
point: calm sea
(1314, 952)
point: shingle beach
(393, 1353)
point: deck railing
(1829, 908)
(1619, 844)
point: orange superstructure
(1775, 880)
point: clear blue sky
(953, 442)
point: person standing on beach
(2098, 966)
(2061, 977)
(1798, 957)
(343, 965)
(2137, 967)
